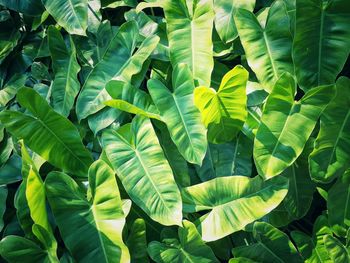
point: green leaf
(320, 49)
(272, 246)
(28, 7)
(139, 162)
(137, 242)
(313, 249)
(91, 229)
(224, 17)
(19, 249)
(10, 89)
(233, 201)
(189, 28)
(268, 47)
(336, 250)
(180, 115)
(224, 111)
(130, 99)
(119, 61)
(187, 249)
(233, 158)
(65, 86)
(338, 205)
(9, 37)
(72, 15)
(286, 125)
(331, 157)
(47, 133)
(34, 191)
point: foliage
(174, 131)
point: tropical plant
(174, 131)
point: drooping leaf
(286, 125)
(320, 49)
(338, 204)
(72, 15)
(118, 62)
(139, 162)
(224, 17)
(187, 249)
(180, 115)
(268, 48)
(91, 229)
(331, 157)
(224, 111)
(65, 86)
(233, 201)
(189, 28)
(47, 133)
(272, 246)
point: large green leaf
(65, 86)
(9, 37)
(336, 250)
(233, 201)
(224, 111)
(28, 7)
(286, 125)
(34, 191)
(91, 228)
(338, 205)
(189, 28)
(47, 133)
(72, 15)
(17, 249)
(224, 17)
(180, 115)
(117, 61)
(267, 47)
(188, 248)
(139, 162)
(130, 99)
(272, 246)
(321, 41)
(331, 156)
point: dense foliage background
(174, 131)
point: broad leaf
(320, 49)
(272, 246)
(180, 115)
(47, 133)
(28, 7)
(233, 201)
(137, 242)
(224, 17)
(338, 204)
(19, 249)
(286, 125)
(139, 162)
(187, 249)
(224, 111)
(268, 48)
(189, 28)
(119, 62)
(91, 228)
(331, 156)
(72, 15)
(65, 86)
